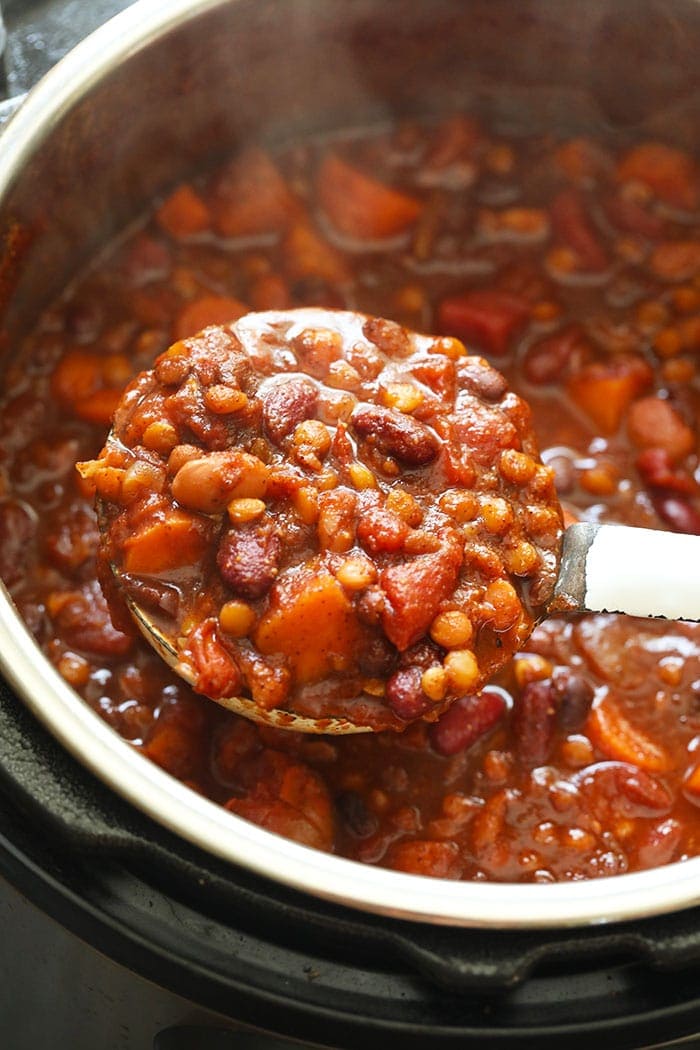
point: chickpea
(452, 630)
(236, 618)
(356, 573)
(434, 683)
(241, 511)
(462, 670)
(516, 467)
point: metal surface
(69, 122)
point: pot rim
(167, 801)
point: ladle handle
(617, 568)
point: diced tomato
(488, 317)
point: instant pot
(134, 913)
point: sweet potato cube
(311, 622)
(605, 389)
(672, 174)
(618, 739)
(252, 197)
(175, 540)
(210, 309)
(306, 254)
(361, 206)
(183, 213)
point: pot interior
(157, 96)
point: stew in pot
(573, 266)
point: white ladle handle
(641, 572)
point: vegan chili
(337, 517)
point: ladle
(601, 568)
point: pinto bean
(210, 482)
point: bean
(355, 815)
(388, 336)
(248, 560)
(285, 405)
(208, 484)
(396, 434)
(405, 696)
(466, 721)
(547, 359)
(533, 723)
(573, 695)
(678, 513)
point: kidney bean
(478, 377)
(659, 844)
(377, 659)
(466, 721)
(573, 696)
(572, 224)
(248, 560)
(643, 790)
(359, 821)
(396, 434)
(533, 722)
(152, 594)
(628, 214)
(405, 696)
(678, 513)
(657, 471)
(285, 405)
(549, 358)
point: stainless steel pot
(166, 88)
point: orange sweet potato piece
(208, 310)
(312, 623)
(654, 423)
(252, 197)
(100, 407)
(168, 543)
(692, 782)
(675, 261)
(77, 376)
(306, 254)
(670, 173)
(183, 213)
(604, 389)
(361, 206)
(614, 735)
